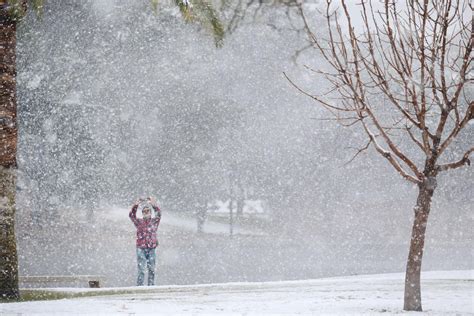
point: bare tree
(403, 79)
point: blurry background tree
(404, 80)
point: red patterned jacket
(146, 228)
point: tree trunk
(415, 256)
(8, 255)
(8, 146)
(231, 218)
(201, 216)
(240, 208)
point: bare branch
(454, 133)
(393, 147)
(463, 161)
(409, 65)
(358, 152)
(390, 158)
(416, 141)
(324, 103)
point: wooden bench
(92, 281)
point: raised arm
(133, 213)
(157, 210)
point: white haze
(116, 103)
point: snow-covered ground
(443, 293)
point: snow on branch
(463, 161)
(405, 63)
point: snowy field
(444, 293)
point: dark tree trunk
(8, 146)
(412, 278)
(8, 255)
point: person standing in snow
(146, 238)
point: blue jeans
(146, 258)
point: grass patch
(45, 295)
(37, 295)
(29, 295)
(41, 295)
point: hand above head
(137, 202)
(152, 200)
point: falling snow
(117, 101)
